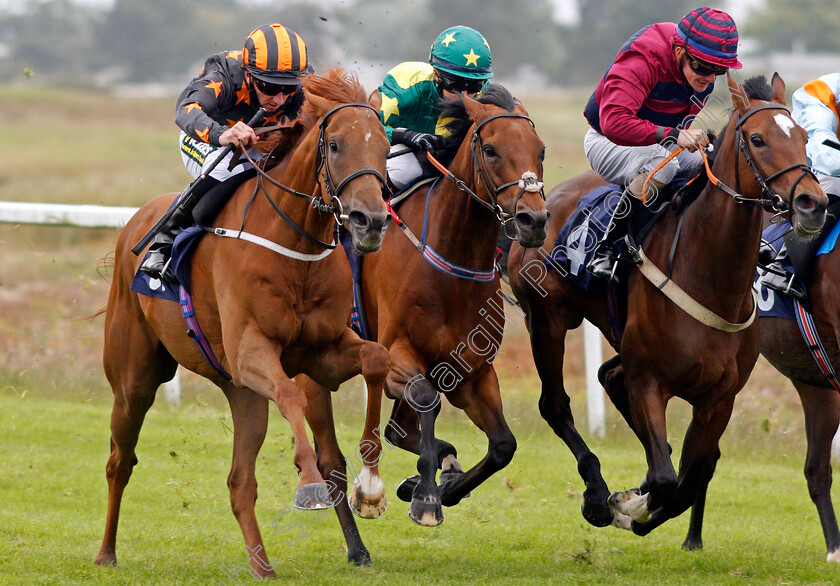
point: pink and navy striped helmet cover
(711, 37)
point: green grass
(522, 526)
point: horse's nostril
(525, 220)
(359, 219)
(806, 203)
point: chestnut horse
(664, 351)
(431, 294)
(268, 316)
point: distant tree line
(165, 40)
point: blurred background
(158, 45)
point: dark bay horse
(783, 346)
(431, 294)
(664, 351)
(268, 316)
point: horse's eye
(333, 145)
(542, 155)
(756, 140)
(489, 150)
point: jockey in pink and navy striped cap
(710, 36)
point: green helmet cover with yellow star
(462, 51)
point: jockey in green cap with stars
(459, 63)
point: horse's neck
(460, 229)
(722, 239)
(457, 226)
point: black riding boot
(160, 251)
(775, 276)
(604, 262)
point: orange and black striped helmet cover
(274, 47)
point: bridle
(333, 204)
(529, 182)
(771, 200)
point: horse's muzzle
(367, 229)
(809, 212)
(530, 227)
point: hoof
(367, 506)
(833, 556)
(360, 557)
(631, 503)
(427, 512)
(449, 476)
(313, 497)
(692, 544)
(622, 521)
(597, 515)
(405, 491)
(106, 560)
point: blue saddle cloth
(182, 251)
(581, 233)
(773, 303)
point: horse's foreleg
(548, 343)
(403, 431)
(694, 537)
(250, 421)
(258, 368)
(348, 357)
(698, 460)
(406, 381)
(482, 403)
(333, 467)
(647, 407)
(822, 414)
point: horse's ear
(474, 108)
(317, 104)
(778, 85)
(739, 96)
(375, 99)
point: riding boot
(160, 251)
(775, 276)
(605, 258)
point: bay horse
(268, 317)
(782, 344)
(665, 352)
(431, 294)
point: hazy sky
(564, 10)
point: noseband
(529, 182)
(771, 200)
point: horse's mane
(458, 120)
(337, 86)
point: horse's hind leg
(332, 464)
(135, 364)
(482, 403)
(822, 414)
(548, 345)
(250, 421)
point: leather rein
(322, 169)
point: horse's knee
(501, 451)
(376, 361)
(818, 478)
(554, 406)
(243, 491)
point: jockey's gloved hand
(417, 141)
